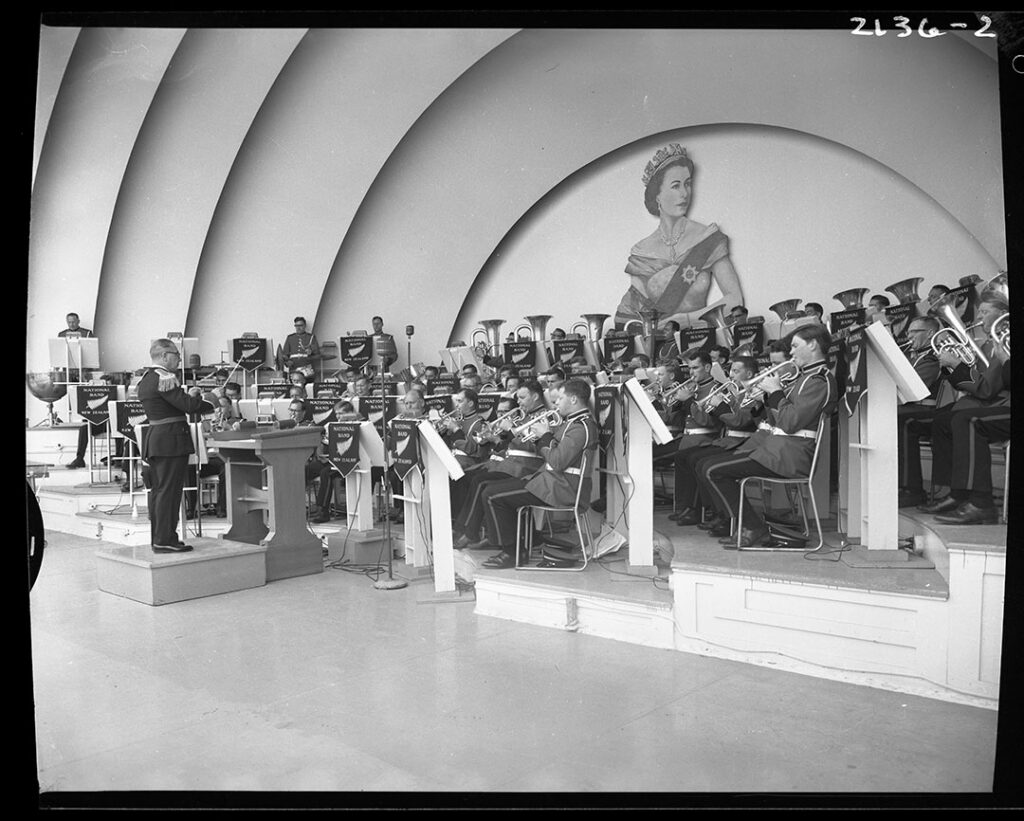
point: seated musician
(668, 351)
(557, 483)
(738, 314)
(552, 380)
(513, 456)
(914, 419)
(781, 447)
(699, 428)
(458, 433)
(358, 388)
(738, 413)
(513, 383)
(720, 355)
(814, 309)
(471, 382)
(936, 292)
(673, 411)
(984, 394)
(74, 329)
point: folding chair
(525, 520)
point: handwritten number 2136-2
(904, 24)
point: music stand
(74, 353)
(385, 352)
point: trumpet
(730, 387)
(552, 417)
(753, 393)
(1000, 332)
(452, 415)
(669, 393)
(653, 389)
(955, 338)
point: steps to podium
(213, 567)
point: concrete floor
(324, 683)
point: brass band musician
(914, 419)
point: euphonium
(955, 338)
(906, 290)
(1000, 332)
(998, 287)
(787, 309)
(851, 299)
(752, 392)
(716, 318)
(552, 417)
(455, 415)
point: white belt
(806, 434)
(529, 454)
(458, 452)
(739, 434)
(496, 458)
(926, 401)
(700, 430)
(573, 471)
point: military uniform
(782, 447)
(913, 422)
(166, 445)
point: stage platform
(930, 626)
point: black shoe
(320, 518)
(749, 537)
(598, 505)
(179, 547)
(969, 514)
(500, 562)
(563, 563)
(720, 531)
(461, 542)
(943, 505)
(78, 463)
(682, 514)
(912, 498)
(692, 517)
(715, 521)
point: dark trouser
(377, 475)
(475, 510)
(721, 475)
(913, 422)
(167, 479)
(974, 430)
(942, 435)
(503, 502)
(687, 491)
(324, 473)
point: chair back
(817, 446)
(584, 465)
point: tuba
(716, 318)
(955, 338)
(787, 309)
(906, 290)
(996, 287)
(851, 299)
(491, 342)
(45, 387)
(594, 325)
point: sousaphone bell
(788, 309)
(851, 299)
(716, 318)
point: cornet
(452, 415)
(552, 417)
(730, 387)
(668, 394)
(495, 427)
(956, 339)
(753, 393)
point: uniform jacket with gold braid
(699, 419)
(927, 366)
(467, 450)
(732, 417)
(164, 399)
(674, 414)
(514, 459)
(563, 451)
(794, 412)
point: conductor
(168, 442)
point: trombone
(552, 417)
(753, 393)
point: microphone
(409, 330)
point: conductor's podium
(266, 496)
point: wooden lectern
(869, 484)
(292, 549)
(629, 458)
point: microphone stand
(390, 583)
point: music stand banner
(837, 363)
(618, 350)
(749, 333)
(605, 397)
(129, 414)
(764, 360)
(405, 445)
(343, 446)
(487, 403)
(703, 338)
(328, 386)
(322, 410)
(440, 402)
(444, 383)
(965, 298)
(856, 370)
(93, 402)
(275, 390)
(249, 353)
(355, 351)
(844, 319)
(566, 350)
(900, 317)
(521, 355)
(373, 408)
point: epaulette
(168, 380)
